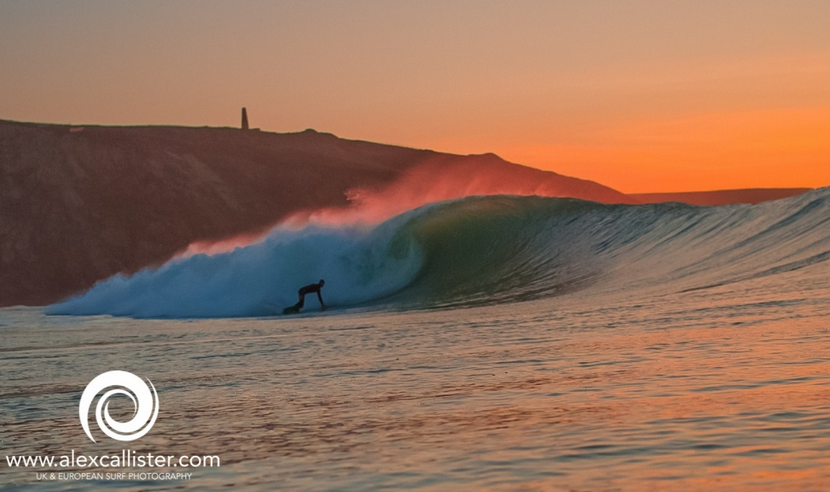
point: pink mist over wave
(437, 179)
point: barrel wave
(485, 250)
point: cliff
(79, 204)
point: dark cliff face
(80, 205)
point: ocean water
(489, 343)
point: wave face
(483, 250)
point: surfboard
(291, 310)
(276, 309)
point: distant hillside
(79, 204)
(721, 197)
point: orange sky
(643, 96)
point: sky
(643, 96)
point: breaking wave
(482, 250)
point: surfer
(308, 289)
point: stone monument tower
(244, 119)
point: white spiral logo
(145, 405)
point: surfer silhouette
(308, 289)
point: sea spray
(259, 279)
